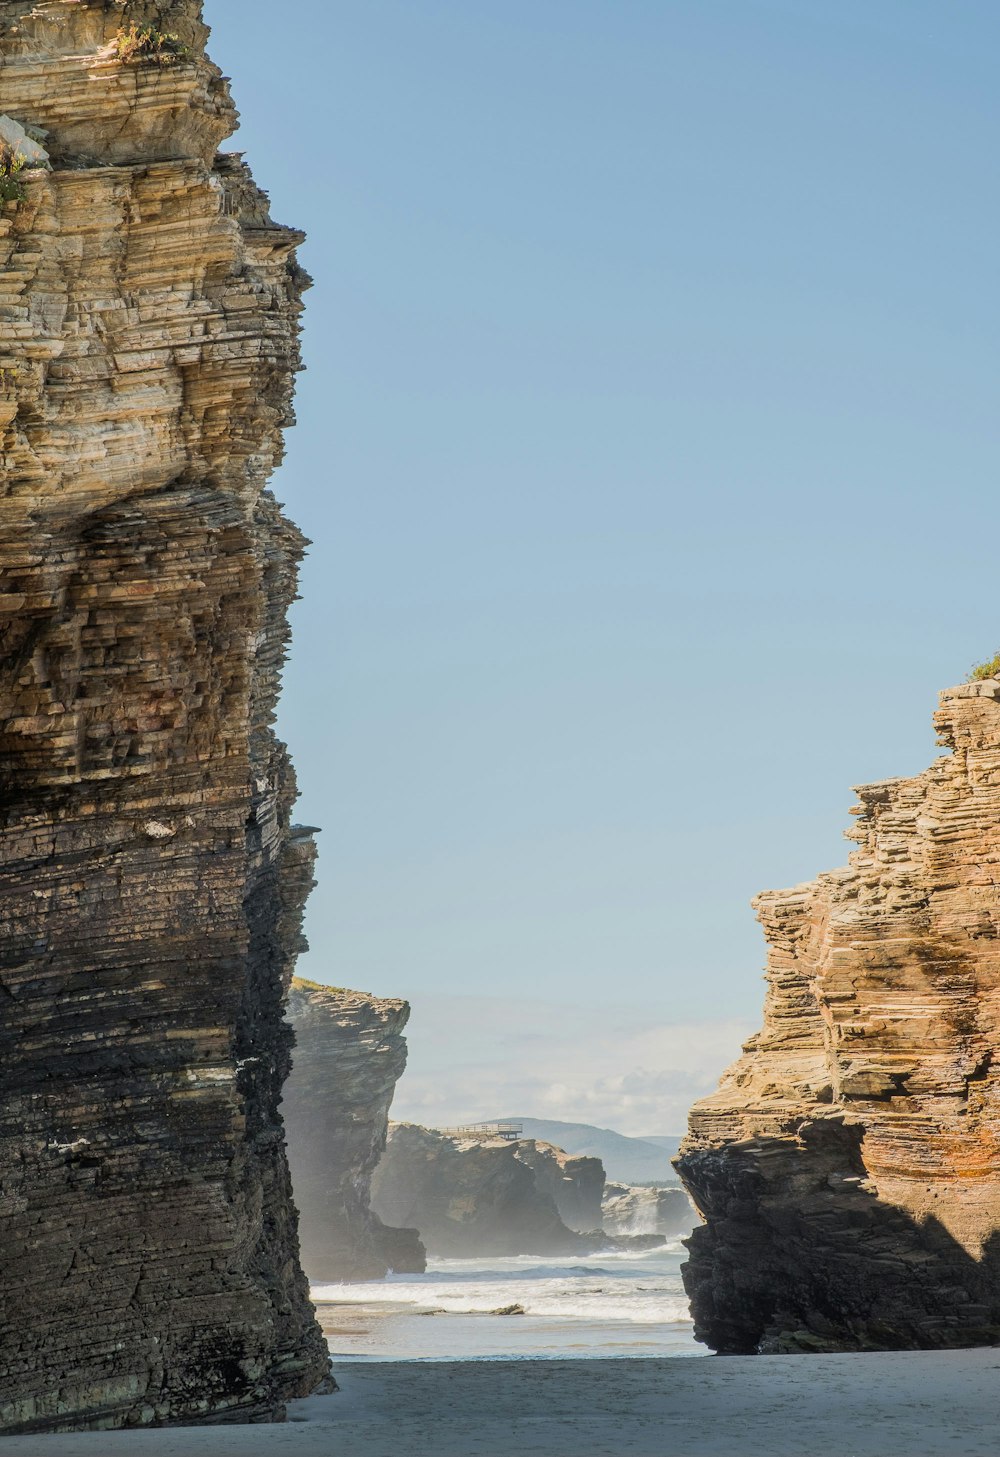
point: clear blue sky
(649, 447)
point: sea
(623, 1304)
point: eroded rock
(574, 1182)
(152, 887)
(848, 1168)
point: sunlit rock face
(848, 1168)
(349, 1054)
(152, 886)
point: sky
(648, 446)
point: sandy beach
(923, 1404)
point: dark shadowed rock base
(760, 1279)
(848, 1167)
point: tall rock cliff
(151, 883)
(349, 1054)
(848, 1168)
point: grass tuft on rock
(146, 43)
(989, 669)
(12, 187)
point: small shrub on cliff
(146, 43)
(989, 669)
(12, 189)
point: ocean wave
(645, 1308)
(644, 1291)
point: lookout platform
(485, 1131)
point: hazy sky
(648, 446)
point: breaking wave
(640, 1287)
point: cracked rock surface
(848, 1168)
(151, 881)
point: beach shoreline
(885, 1404)
(591, 1307)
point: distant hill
(671, 1144)
(626, 1160)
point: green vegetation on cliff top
(316, 986)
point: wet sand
(921, 1404)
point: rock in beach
(152, 882)
(848, 1168)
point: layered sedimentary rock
(468, 1196)
(574, 1183)
(152, 885)
(633, 1209)
(349, 1054)
(848, 1168)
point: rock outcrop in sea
(471, 1196)
(152, 881)
(468, 1196)
(349, 1054)
(848, 1168)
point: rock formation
(848, 1168)
(575, 1184)
(349, 1054)
(151, 882)
(468, 1196)
(634, 1209)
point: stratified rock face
(468, 1197)
(848, 1167)
(151, 885)
(349, 1054)
(574, 1183)
(633, 1209)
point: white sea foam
(638, 1286)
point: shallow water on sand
(629, 1303)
